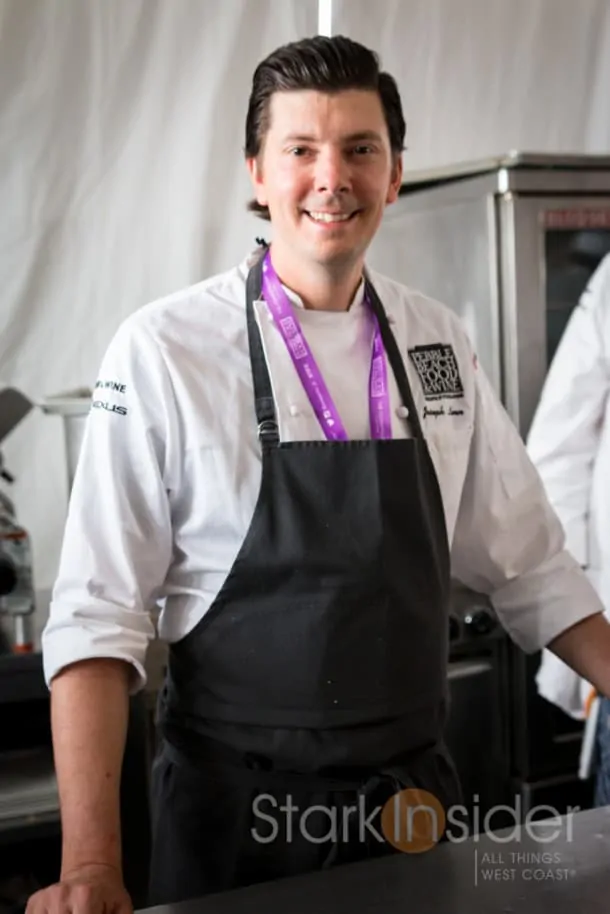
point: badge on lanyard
(311, 377)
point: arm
(565, 434)
(118, 538)
(585, 647)
(89, 709)
(563, 443)
(117, 549)
(510, 544)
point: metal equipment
(509, 244)
(17, 599)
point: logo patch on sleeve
(438, 371)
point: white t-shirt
(170, 467)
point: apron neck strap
(395, 359)
(268, 430)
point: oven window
(572, 255)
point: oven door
(550, 246)
(477, 735)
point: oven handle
(460, 669)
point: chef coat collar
(356, 304)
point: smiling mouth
(330, 218)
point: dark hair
(327, 65)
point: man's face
(326, 171)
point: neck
(320, 287)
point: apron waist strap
(221, 762)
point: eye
(298, 151)
(362, 149)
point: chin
(330, 248)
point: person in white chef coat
(569, 442)
(293, 459)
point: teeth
(329, 217)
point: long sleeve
(563, 443)
(564, 438)
(508, 542)
(118, 539)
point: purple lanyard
(309, 373)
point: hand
(89, 889)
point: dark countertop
(478, 876)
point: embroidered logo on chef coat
(438, 371)
(108, 390)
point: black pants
(602, 776)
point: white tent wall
(482, 77)
(121, 179)
(121, 170)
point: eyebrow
(351, 138)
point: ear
(395, 180)
(256, 176)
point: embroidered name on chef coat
(438, 371)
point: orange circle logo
(413, 821)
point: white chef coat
(170, 469)
(569, 442)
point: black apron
(317, 678)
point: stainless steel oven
(510, 244)
(477, 732)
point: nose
(332, 172)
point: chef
(569, 442)
(292, 459)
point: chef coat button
(294, 410)
(391, 319)
(402, 412)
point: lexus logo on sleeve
(438, 371)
